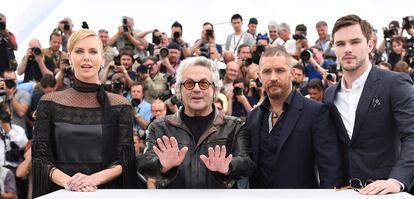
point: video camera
(299, 37)
(408, 22)
(389, 33)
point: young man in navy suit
(291, 134)
(374, 113)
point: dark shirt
(238, 109)
(198, 124)
(269, 142)
(33, 71)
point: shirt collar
(359, 82)
(286, 104)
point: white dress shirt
(346, 100)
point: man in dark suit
(374, 113)
(290, 134)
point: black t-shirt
(198, 124)
(33, 72)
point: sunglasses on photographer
(202, 84)
(355, 184)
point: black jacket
(192, 173)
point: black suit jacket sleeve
(402, 101)
(327, 150)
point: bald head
(34, 43)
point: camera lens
(176, 35)
(36, 51)
(164, 52)
(306, 54)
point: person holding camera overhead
(98, 122)
(128, 36)
(207, 39)
(33, 64)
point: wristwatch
(125, 71)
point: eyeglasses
(355, 184)
(190, 84)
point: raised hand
(169, 153)
(217, 160)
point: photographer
(315, 89)
(170, 58)
(12, 143)
(128, 36)
(108, 52)
(316, 64)
(53, 54)
(239, 104)
(408, 25)
(141, 108)
(262, 41)
(301, 41)
(392, 31)
(244, 58)
(8, 45)
(149, 74)
(19, 100)
(207, 39)
(398, 52)
(33, 64)
(121, 64)
(177, 37)
(65, 28)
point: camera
(117, 60)
(209, 33)
(143, 69)
(389, 33)
(15, 154)
(2, 25)
(331, 77)
(408, 22)
(205, 52)
(66, 25)
(10, 83)
(409, 48)
(258, 83)
(167, 94)
(299, 36)
(238, 91)
(175, 101)
(222, 73)
(117, 86)
(156, 40)
(69, 72)
(65, 61)
(164, 52)
(85, 25)
(176, 35)
(306, 54)
(36, 51)
(247, 61)
(125, 24)
(260, 49)
(135, 102)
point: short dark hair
(299, 67)
(301, 27)
(126, 51)
(154, 59)
(315, 83)
(48, 81)
(243, 46)
(208, 23)
(240, 80)
(54, 34)
(138, 84)
(350, 20)
(236, 16)
(177, 24)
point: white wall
(37, 18)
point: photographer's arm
(317, 67)
(196, 46)
(114, 38)
(42, 65)
(104, 76)
(141, 121)
(167, 64)
(21, 68)
(141, 36)
(20, 108)
(381, 47)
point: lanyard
(234, 42)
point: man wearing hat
(172, 61)
(252, 26)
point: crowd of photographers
(144, 72)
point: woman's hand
(82, 182)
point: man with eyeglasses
(373, 110)
(198, 147)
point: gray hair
(272, 24)
(284, 26)
(197, 61)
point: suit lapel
(329, 100)
(254, 129)
(365, 101)
(293, 114)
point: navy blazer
(307, 139)
(382, 144)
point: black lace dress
(82, 129)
